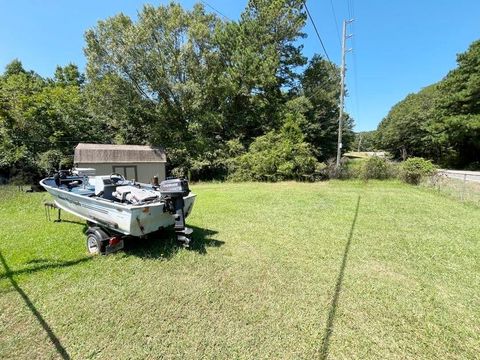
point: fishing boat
(115, 207)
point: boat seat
(134, 194)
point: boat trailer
(101, 236)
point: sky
(398, 47)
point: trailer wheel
(96, 241)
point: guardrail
(461, 174)
(463, 185)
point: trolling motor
(173, 191)
(60, 176)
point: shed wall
(144, 171)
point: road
(472, 176)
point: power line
(349, 9)
(218, 12)
(316, 31)
(336, 22)
(355, 81)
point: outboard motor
(173, 191)
(61, 175)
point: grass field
(337, 270)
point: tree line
(226, 99)
(441, 122)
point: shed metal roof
(107, 153)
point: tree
(442, 121)
(321, 86)
(69, 75)
(167, 57)
(20, 134)
(364, 141)
(404, 131)
(261, 62)
(195, 81)
(42, 120)
(458, 127)
(15, 67)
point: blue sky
(399, 46)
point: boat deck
(144, 193)
(80, 189)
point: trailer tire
(96, 241)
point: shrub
(376, 168)
(25, 172)
(276, 156)
(50, 161)
(414, 169)
(320, 172)
(273, 158)
(355, 167)
(331, 170)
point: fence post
(464, 185)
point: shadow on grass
(338, 288)
(163, 244)
(51, 335)
(49, 265)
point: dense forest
(226, 99)
(442, 121)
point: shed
(139, 162)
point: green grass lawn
(281, 271)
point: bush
(50, 161)
(272, 158)
(376, 168)
(331, 170)
(25, 172)
(276, 156)
(355, 168)
(416, 168)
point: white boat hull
(135, 220)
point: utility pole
(342, 88)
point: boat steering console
(116, 178)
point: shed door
(129, 172)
